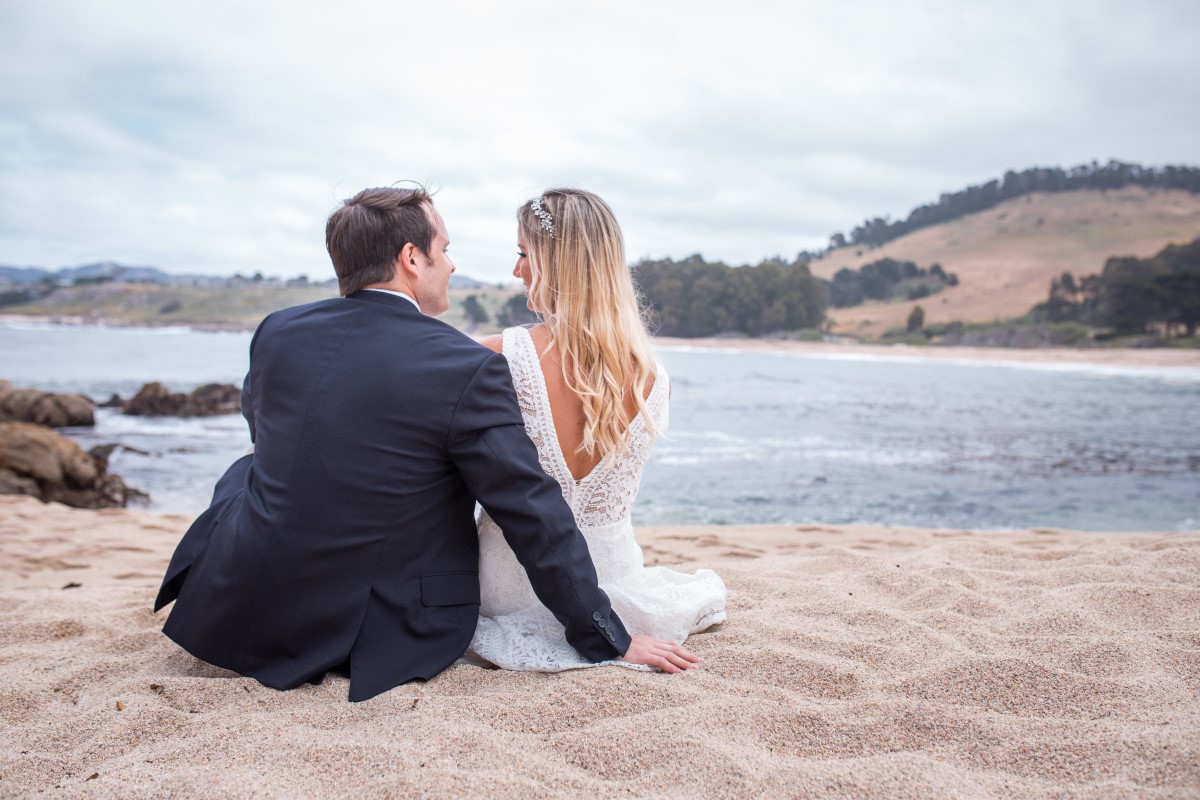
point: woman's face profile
(524, 267)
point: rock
(211, 399)
(221, 398)
(45, 456)
(39, 462)
(12, 483)
(44, 408)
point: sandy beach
(1113, 357)
(856, 662)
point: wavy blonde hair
(582, 287)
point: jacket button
(603, 623)
(596, 615)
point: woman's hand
(667, 656)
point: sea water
(755, 436)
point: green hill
(1006, 257)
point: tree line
(693, 297)
(696, 298)
(1113, 175)
(1132, 295)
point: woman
(593, 397)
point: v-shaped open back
(604, 490)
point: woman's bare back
(566, 407)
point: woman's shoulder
(496, 341)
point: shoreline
(1094, 356)
(81, 321)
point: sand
(856, 662)
(1127, 358)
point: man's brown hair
(367, 233)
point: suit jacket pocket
(450, 589)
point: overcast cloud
(216, 137)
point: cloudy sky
(216, 137)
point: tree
(515, 312)
(476, 313)
(1128, 300)
(886, 279)
(1180, 284)
(916, 320)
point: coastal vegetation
(1005, 258)
(973, 199)
(1142, 302)
(1132, 295)
(886, 279)
(694, 297)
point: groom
(347, 539)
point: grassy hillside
(240, 307)
(1006, 257)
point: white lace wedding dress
(515, 630)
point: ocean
(755, 436)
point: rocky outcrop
(39, 462)
(209, 400)
(44, 408)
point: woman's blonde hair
(582, 287)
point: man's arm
(488, 443)
(247, 393)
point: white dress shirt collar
(398, 294)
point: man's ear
(406, 262)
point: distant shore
(82, 321)
(1114, 356)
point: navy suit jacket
(349, 534)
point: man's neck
(395, 287)
(396, 284)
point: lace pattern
(606, 494)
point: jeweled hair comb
(545, 221)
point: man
(347, 539)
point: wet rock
(211, 399)
(39, 462)
(51, 409)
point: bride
(593, 397)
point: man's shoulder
(284, 315)
(438, 340)
(448, 345)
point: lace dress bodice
(515, 630)
(605, 495)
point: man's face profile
(432, 284)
